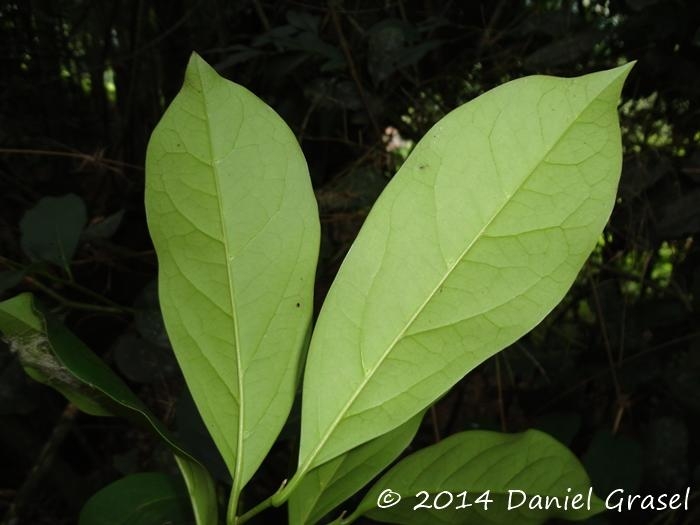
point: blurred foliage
(614, 371)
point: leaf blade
(429, 273)
(476, 461)
(236, 230)
(139, 499)
(51, 229)
(328, 485)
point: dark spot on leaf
(298, 305)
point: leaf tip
(620, 76)
(198, 69)
(624, 69)
(194, 61)
(611, 80)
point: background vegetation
(613, 372)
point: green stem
(282, 495)
(263, 505)
(233, 502)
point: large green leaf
(53, 355)
(532, 465)
(235, 226)
(148, 498)
(328, 485)
(478, 236)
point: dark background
(613, 371)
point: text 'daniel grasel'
(513, 499)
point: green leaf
(51, 229)
(148, 498)
(478, 461)
(235, 226)
(104, 228)
(626, 454)
(327, 486)
(478, 236)
(24, 331)
(53, 355)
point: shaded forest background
(613, 371)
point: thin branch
(261, 14)
(552, 401)
(435, 424)
(42, 464)
(162, 36)
(533, 360)
(263, 505)
(85, 157)
(351, 66)
(65, 282)
(501, 404)
(608, 350)
(75, 305)
(629, 276)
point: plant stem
(351, 66)
(263, 505)
(84, 290)
(42, 464)
(233, 501)
(97, 158)
(75, 305)
(66, 282)
(282, 495)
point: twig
(135, 52)
(434, 422)
(456, 408)
(66, 282)
(261, 14)
(501, 405)
(608, 352)
(488, 30)
(351, 65)
(42, 464)
(533, 360)
(76, 305)
(552, 401)
(92, 159)
(305, 121)
(630, 276)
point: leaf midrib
(341, 414)
(238, 462)
(146, 505)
